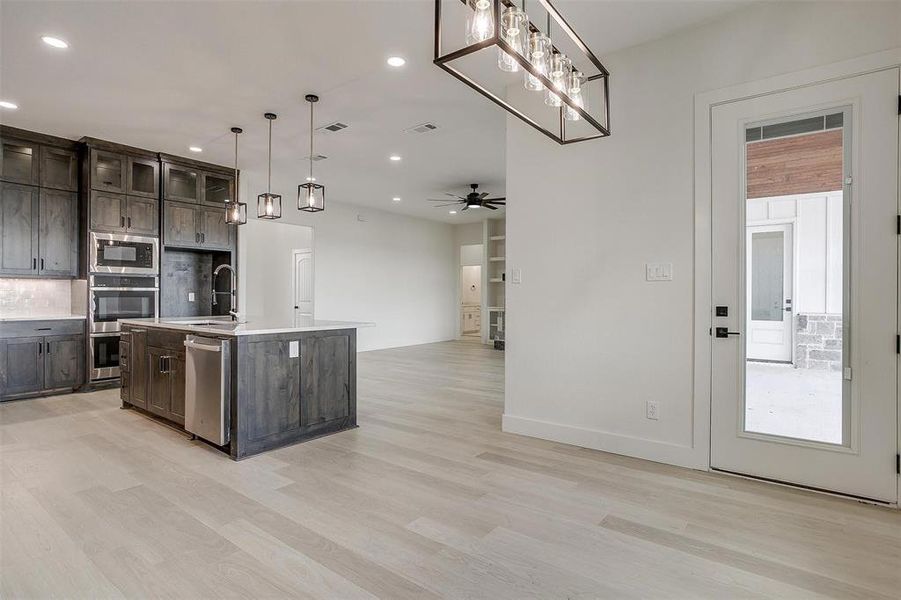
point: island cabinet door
(157, 383)
(137, 366)
(176, 367)
(325, 382)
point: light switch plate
(293, 349)
(190, 296)
(516, 275)
(659, 271)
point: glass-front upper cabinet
(108, 171)
(19, 162)
(218, 189)
(59, 168)
(181, 183)
(143, 177)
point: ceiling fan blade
(465, 208)
(443, 205)
(489, 207)
(496, 202)
(436, 199)
(494, 199)
(483, 195)
(454, 196)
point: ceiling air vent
(421, 128)
(333, 127)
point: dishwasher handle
(206, 347)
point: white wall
(589, 340)
(398, 272)
(266, 265)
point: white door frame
(698, 456)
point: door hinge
(898, 464)
(898, 344)
(898, 223)
(849, 180)
(847, 374)
(899, 104)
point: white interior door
(303, 283)
(836, 428)
(770, 268)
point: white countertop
(43, 318)
(247, 326)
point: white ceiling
(167, 75)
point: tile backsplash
(36, 297)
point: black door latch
(723, 332)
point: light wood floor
(426, 499)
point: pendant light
(269, 205)
(479, 22)
(311, 195)
(577, 93)
(236, 212)
(514, 31)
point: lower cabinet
(37, 365)
(166, 384)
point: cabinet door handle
(160, 365)
(42, 264)
(40, 348)
(122, 221)
(48, 347)
(203, 238)
(34, 264)
(129, 222)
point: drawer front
(15, 329)
(170, 340)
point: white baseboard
(662, 452)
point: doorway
(470, 308)
(805, 287)
(302, 271)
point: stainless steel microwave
(120, 253)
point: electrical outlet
(516, 275)
(659, 271)
(293, 349)
(190, 296)
(653, 410)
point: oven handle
(124, 289)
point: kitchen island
(283, 381)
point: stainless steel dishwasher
(207, 388)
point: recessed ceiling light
(394, 157)
(54, 41)
(396, 199)
(396, 61)
(453, 212)
(8, 104)
(195, 149)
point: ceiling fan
(473, 199)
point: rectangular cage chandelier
(548, 78)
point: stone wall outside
(818, 341)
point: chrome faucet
(234, 289)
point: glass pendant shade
(514, 31)
(560, 76)
(577, 94)
(311, 197)
(539, 56)
(269, 206)
(236, 213)
(479, 21)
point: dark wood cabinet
(58, 233)
(118, 213)
(166, 383)
(143, 177)
(41, 357)
(63, 367)
(19, 162)
(107, 211)
(38, 231)
(215, 233)
(19, 229)
(108, 171)
(142, 216)
(324, 379)
(136, 364)
(180, 183)
(217, 189)
(59, 168)
(181, 226)
(22, 365)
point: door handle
(40, 348)
(723, 332)
(203, 238)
